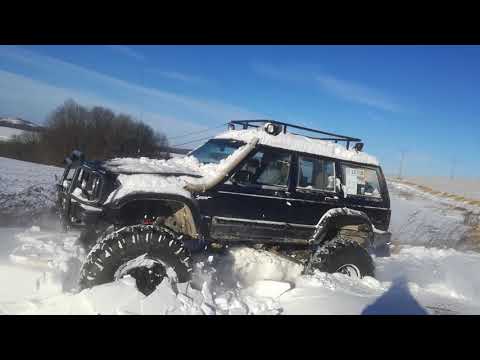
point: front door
(252, 204)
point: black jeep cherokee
(307, 197)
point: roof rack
(332, 137)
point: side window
(361, 181)
(316, 174)
(266, 167)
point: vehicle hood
(181, 176)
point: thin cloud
(178, 76)
(128, 51)
(355, 92)
(44, 98)
(277, 73)
(167, 104)
(347, 90)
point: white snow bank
(7, 133)
(301, 144)
(466, 187)
(419, 218)
(250, 265)
(445, 272)
(415, 280)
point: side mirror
(242, 176)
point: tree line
(98, 132)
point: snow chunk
(252, 265)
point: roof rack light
(272, 128)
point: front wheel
(147, 253)
(342, 256)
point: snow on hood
(301, 144)
(185, 165)
(164, 176)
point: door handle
(331, 198)
(282, 194)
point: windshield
(216, 150)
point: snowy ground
(27, 191)
(468, 188)
(433, 270)
(7, 133)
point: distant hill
(18, 123)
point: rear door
(252, 204)
(365, 190)
(313, 193)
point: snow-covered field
(27, 191)
(7, 133)
(433, 269)
(468, 188)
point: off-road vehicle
(313, 196)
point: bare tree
(98, 132)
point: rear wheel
(342, 256)
(147, 253)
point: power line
(198, 132)
(192, 141)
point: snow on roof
(301, 144)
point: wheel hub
(350, 270)
(148, 273)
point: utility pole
(452, 169)
(400, 172)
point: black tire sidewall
(342, 253)
(117, 248)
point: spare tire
(147, 253)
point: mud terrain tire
(337, 254)
(131, 242)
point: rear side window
(316, 174)
(361, 181)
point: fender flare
(338, 217)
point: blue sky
(422, 100)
